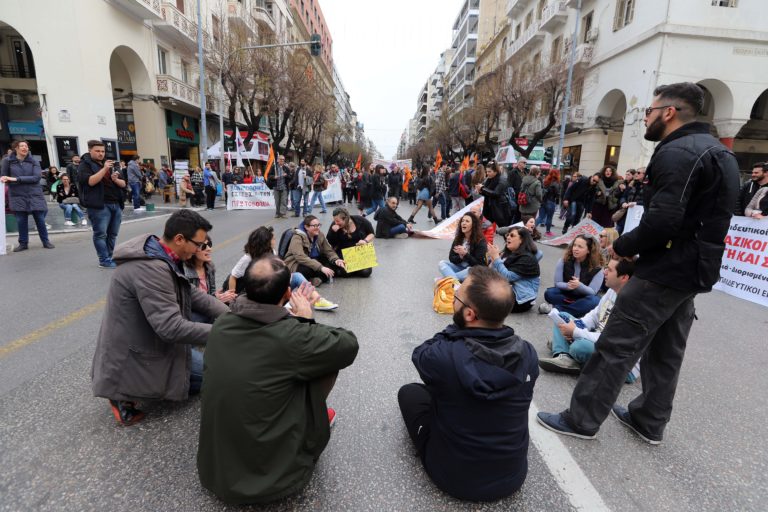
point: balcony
(583, 54)
(515, 7)
(553, 15)
(240, 19)
(576, 114)
(140, 9)
(174, 90)
(264, 17)
(176, 27)
(423, 117)
(536, 125)
(532, 35)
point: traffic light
(316, 45)
(549, 152)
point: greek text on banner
(744, 269)
(359, 257)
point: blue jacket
(481, 382)
(25, 195)
(526, 286)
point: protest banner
(254, 196)
(333, 193)
(359, 257)
(744, 269)
(632, 218)
(585, 227)
(387, 163)
(2, 218)
(446, 230)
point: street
(61, 449)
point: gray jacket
(26, 195)
(134, 172)
(532, 187)
(143, 346)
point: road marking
(565, 470)
(81, 313)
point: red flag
(359, 163)
(270, 162)
(407, 180)
(464, 164)
(438, 161)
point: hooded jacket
(263, 418)
(143, 346)
(481, 382)
(93, 196)
(301, 247)
(25, 193)
(532, 187)
(386, 218)
(692, 184)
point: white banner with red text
(446, 230)
(744, 269)
(2, 219)
(585, 227)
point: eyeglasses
(314, 225)
(651, 109)
(206, 245)
(200, 245)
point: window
(180, 5)
(723, 3)
(536, 64)
(184, 72)
(586, 26)
(528, 19)
(557, 50)
(162, 61)
(518, 29)
(216, 27)
(625, 9)
(576, 92)
(540, 10)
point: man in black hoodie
(469, 420)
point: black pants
(310, 273)
(648, 320)
(210, 196)
(522, 308)
(415, 401)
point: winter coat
(386, 218)
(532, 187)
(475, 254)
(340, 240)
(496, 206)
(747, 192)
(481, 383)
(25, 194)
(552, 192)
(263, 416)
(92, 196)
(62, 194)
(690, 194)
(134, 172)
(523, 272)
(143, 347)
(300, 248)
(578, 191)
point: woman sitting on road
(389, 224)
(262, 242)
(468, 249)
(348, 231)
(519, 265)
(607, 237)
(66, 195)
(201, 273)
(578, 278)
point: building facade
(461, 73)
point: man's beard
(655, 131)
(458, 318)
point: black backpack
(285, 241)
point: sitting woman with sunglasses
(519, 265)
(201, 273)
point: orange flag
(464, 164)
(438, 161)
(407, 179)
(270, 162)
(359, 163)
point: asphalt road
(60, 448)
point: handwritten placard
(360, 257)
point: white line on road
(566, 471)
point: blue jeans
(195, 372)
(580, 349)
(375, 205)
(136, 194)
(296, 198)
(296, 280)
(445, 205)
(315, 196)
(396, 230)
(106, 225)
(549, 214)
(69, 208)
(575, 213)
(449, 269)
(576, 305)
(22, 219)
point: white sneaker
(84, 222)
(140, 209)
(69, 223)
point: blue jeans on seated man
(22, 220)
(576, 305)
(106, 226)
(195, 372)
(69, 208)
(396, 230)
(449, 269)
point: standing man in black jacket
(750, 188)
(691, 186)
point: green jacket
(263, 421)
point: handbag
(71, 200)
(618, 214)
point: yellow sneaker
(325, 305)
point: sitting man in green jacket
(268, 372)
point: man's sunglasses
(651, 109)
(205, 244)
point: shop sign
(66, 148)
(126, 136)
(34, 128)
(182, 129)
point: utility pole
(568, 85)
(203, 122)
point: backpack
(522, 197)
(285, 241)
(463, 190)
(443, 300)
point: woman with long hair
(606, 198)
(518, 263)
(468, 249)
(478, 177)
(578, 278)
(262, 242)
(248, 176)
(494, 189)
(424, 196)
(607, 237)
(550, 200)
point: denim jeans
(296, 197)
(549, 214)
(448, 269)
(580, 349)
(575, 213)
(195, 372)
(22, 219)
(375, 205)
(315, 196)
(136, 194)
(445, 205)
(576, 305)
(106, 225)
(296, 280)
(396, 230)
(69, 208)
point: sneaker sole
(633, 429)
(550, 367)
(325, 308)
(116, 414)
(572, 434)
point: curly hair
(474, 236)
(260, 242)
(593, 259)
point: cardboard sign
(359, 257)
(255, 196)
(633, 217)
(744, 269)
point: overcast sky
(385, 51)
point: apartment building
(461, 73)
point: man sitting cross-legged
(268, 372)
(469, 420)
(574, 341)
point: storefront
(183, 137)
(34, 134)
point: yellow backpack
(443, 300)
